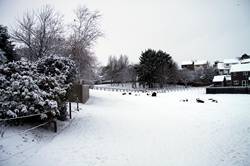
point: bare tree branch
(38, 31)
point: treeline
(155, 69)
(119, 70)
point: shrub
(20, 94)
(57, 74)
(29, 88)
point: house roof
(200, 62)
(220, 78)
(245, 61)
(240, 67)
(187, 63)
(231, 61)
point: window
(236, 82)
(245, 73)
(244, 83)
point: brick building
(240, 74)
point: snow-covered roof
(220, 66)
(231, 61)
(245, 61)
(240, 67)
(187, 63)
(200, 62)
(219, 78)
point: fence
(3, 122)
(228, 90)
(172, 88)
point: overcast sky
(187, 29)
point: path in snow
(116, 130)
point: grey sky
(187, 29)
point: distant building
(244, 61)
(240, 74)
(229, 62)
(223, 68)
(187, 65)
(200, 64)
(194, 65)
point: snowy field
(139, 130)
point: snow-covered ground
(139, 130)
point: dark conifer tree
(155, 67)
(6, 46)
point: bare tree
(133, 74)
(40, 32)
(84, 33)
(118, 70)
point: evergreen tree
(6, 47)
(147, 68)
(155, 67)
(244, 56)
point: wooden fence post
(70, 116)
(55, 125)
(77, 104)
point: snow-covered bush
(56, 77)
(3, 58)
(20, 94)
(29, 88)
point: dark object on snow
(123, 93)
(199, 100)
(147, 94)
(215, 101)
(129, 93)
(184, 100)
(153, 94)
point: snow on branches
(58, 74)
(29, 88)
